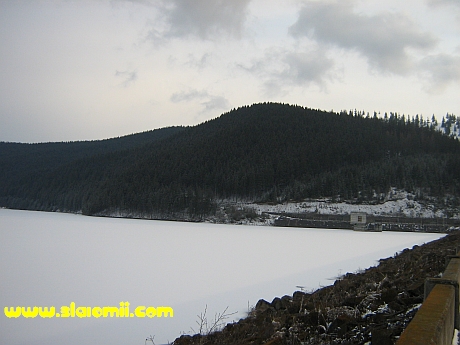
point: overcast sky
(79, 70)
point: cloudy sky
(79, 70)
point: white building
(358, 220)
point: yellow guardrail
(438, 317)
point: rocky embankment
(369, 307)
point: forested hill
(263, 152)
(18, 161)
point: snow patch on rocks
(396, 203)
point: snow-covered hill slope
(396, 203)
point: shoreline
(374, 305)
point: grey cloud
(448, 5)
(216, 102)
(292, 68)
(188, 96)
(444, 2)
(205, 19)
(442, 70)
(142, 2)
(383, 39)
(198, 62)
(304, 68)
(127, 77)
(208, 101)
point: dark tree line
(264, 152)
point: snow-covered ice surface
(53, 259)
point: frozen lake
(52, 259)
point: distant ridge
(263, 152)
